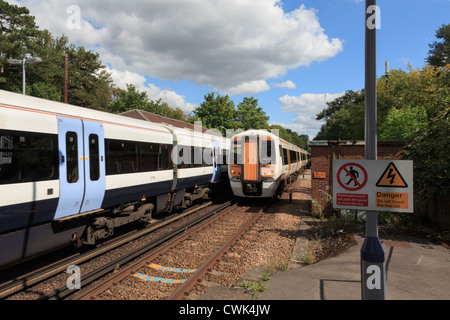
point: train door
(81, 166)
(251, 159)
(217, 158)
(71, 167)
(94, 165)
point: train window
(237, 153)
(267, 152)
(285, 156)
(165, 160)
(149, 156)
(293, 156)
(94, 158)
(72, 157)
(281, 155)
(217, 158)
(121, 156)
(183, 157)
(196, 157)
(225, 156)
(28, 157)
(207, 157)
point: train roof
(266, 133)
(15, 100)
(155, 118)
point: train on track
(73, 175)
(262, 164)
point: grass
(254, 287)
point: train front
(252, 169)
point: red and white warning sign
(352, 176)
(373, 185)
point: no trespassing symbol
(352, 176)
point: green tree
(429, 149)
(89, 83)
(130, 99)
(401, 124)
(250, 116)
(217, 112)
(290, 136)
(344, 118)
(17, 33)
(439, 54)
(405, 101)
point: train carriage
(70, 174)
(262, 164)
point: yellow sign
(391, 200)
(391, 177)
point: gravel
(268, 243)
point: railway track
(139, 253)
(171, 261)
(135, 274)
(27, 281)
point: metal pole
(65, 77)
(373, 279)
(23, 76)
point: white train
(262, 164)
(70, 174)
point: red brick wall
(322, 161)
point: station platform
(415, 270)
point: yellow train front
(262, 164)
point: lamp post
(23, 62)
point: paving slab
(415, 269)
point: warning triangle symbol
(391, 177)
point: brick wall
(323, 153)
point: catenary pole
(373, 279)
(24, 77)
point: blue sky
(291, 55)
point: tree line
(414, 106)
(91, 86)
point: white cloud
(287, 84)
(122, 78)
(249, 87)
(233, 46)
(306, 106)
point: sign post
(373, 273)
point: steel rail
(183, 290)
(144, 260)
(42, 274)
(64, 291)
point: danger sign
(373, 185)
(391, 177)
